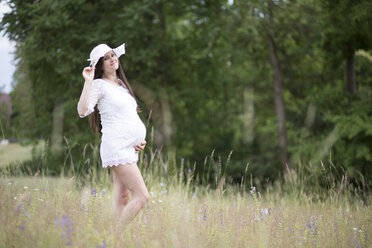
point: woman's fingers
(140, 147)
(143, 144)
(88, 69)
(88, 73)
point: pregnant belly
(128, 133)
(138, 133)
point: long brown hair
(94, 118)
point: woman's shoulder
(97, 81)
(98, 85)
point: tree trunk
(248, 115)
(167, 125)
(161, 114)
(279, 102)
(57, 129)
(350, 74)
(162, 18)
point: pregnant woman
(107, 94)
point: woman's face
(110, 62)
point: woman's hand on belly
(140, 147)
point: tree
(347, 29)
(23, 102)
(279, 103)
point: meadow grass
(76, 211)
(16, 152)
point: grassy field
(15, 152)
(76, 211)
(59, 212)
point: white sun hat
(100, 51)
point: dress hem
(119, 162)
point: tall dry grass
(76, 211)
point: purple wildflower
(221, 221)
(290, 228)
(65, 221)
(67, 226)
(264, 213)
(94, 192)
(20, 208)
(205, 215)
(103, 192)
(253, 190)
(313, 228)
(23, 226)
(103, 245)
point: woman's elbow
(81, 111)
(81, 115)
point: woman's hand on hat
(88, 73)
(140, 147)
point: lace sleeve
(94, 95)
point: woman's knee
(143, 198)
(146, 197)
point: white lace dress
(122, 128)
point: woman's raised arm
(84, 101)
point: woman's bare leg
(130, 177)
(121, 194)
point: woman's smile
(110, 62)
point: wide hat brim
(100, 51)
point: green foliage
(203, 77)
(347, 25)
